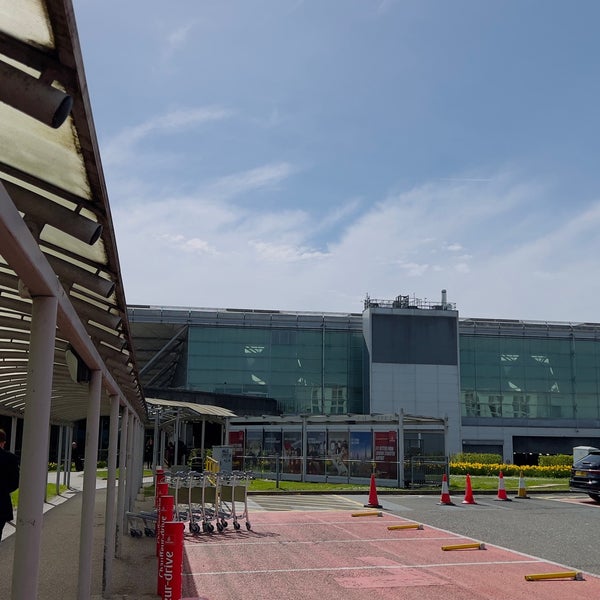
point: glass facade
(307, 371)
(517, 377)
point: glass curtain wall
(306, 371)
(529, 378)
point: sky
(301, 154)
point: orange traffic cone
(373, 501)
(501, 489)
(522, 489)
(469, 492)
(445, 499)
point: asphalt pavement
(561, 528)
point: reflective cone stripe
(522, 490)
(445, 499)
(501, 489)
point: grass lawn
(482, 483)
(457, 483)
(50, 493)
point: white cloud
(120, 147)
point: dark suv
(585, 476)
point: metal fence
(418, 471)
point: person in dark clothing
(149, 453)
(181, 452)
(9, 481)
(76, 457)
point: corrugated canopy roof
(56, 232)
(188, 411)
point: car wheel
(595, 497)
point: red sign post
(165, 513)
(162, 489)
(173, 560)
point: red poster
(386, 454)
(236, 441)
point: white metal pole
(34, 457)
(121, 490)
(155, 441)
(176, 440)
(86, 537)
(202, 436)
(130, 479)
(109, 530)
(68, 458)
(59, 458)
(13, 435)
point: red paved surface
(330, 554)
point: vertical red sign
(386, 453)
(173, 560)
(165, 514)
(236, 441)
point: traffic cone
(522, 490)
(373, 501)
(445, 499)
(501, 489)
(469, 492)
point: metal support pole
(34, 457)
(130, 478)
(109, 530)
(155, 442)
(122, 488)
(202, 442)
(176, 440)
(59, 458)
(68, 457)
(86, 537)
(13, 435)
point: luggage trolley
(178, 481)
(234, 489)
(142, 523)
(202, 498)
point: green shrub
(556, 459)
(492, 470)
(473, 457)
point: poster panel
(292, 451)
(386, 454)
(316, 444)
(337, 453)
(236, 441)
(361, 453)
(254, 448)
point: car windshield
(591, 461)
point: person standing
(76, 457)
(9, 481)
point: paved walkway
(134, 575)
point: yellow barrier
(577, 575)
(368, 514)
(212, 465)
(478, 546)
(407, 526)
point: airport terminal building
(518, 388)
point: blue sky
(290, 154)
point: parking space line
(363, 568)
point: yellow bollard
(407, 526)
(577, 575)
(478, 546)
(368, 514)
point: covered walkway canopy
(65, 346)
(169, 414)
